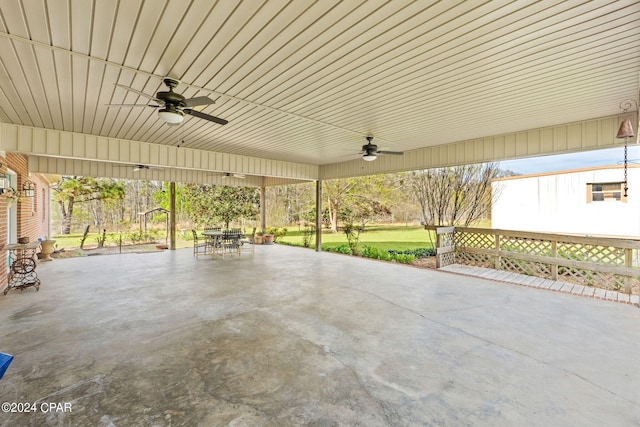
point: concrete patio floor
(291, 337)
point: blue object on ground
(5, 361)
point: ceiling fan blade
(132, 105)
(201, 115)
(198, 100)
(138, 92)
(395, 153)
(226, 175)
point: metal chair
(199, 248)
(230, 243)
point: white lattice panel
(592, 253)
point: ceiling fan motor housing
(370, 149)
(171, 98)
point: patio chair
(199, 247)
(230, 243)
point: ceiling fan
(370, 151)
(138, 168)
(173, 106)
(226, 175)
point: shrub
(341, 249)
(140, 236)
(352, 232)
(404, 258)
(278, 232)
(375, 253)
(417, 253)
(308, 232)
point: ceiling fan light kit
(173, 106)
(370, 151)
(171, 116)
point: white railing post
(445, 246)
(554, 254)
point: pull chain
(625, 168)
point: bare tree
(459, 195)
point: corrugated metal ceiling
(305, 81)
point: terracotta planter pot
(267, 239)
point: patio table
(221, 240)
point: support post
(318, 216)
(263, 209)
(172, 216)
(498, 260)
(628, 262)
(445, 246)
(554, 254)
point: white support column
(263, 209)
(172, 216)
(319, 215)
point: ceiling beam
(566, 138)
(76, 146)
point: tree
(208, 204)
(457, 195)
(355, 199)
(78, 189)
(337, 191)
(290, 204)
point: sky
(610, 156)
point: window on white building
(606, 192)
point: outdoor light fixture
(625, 132)
(3, 182)
(369, 157)
(28, 189)
(171, 115)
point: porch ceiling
(305, 82)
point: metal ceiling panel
(305, 82)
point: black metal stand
(22, 271)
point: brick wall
(33, 212)
(3, 229)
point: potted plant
(267, 239)
(12, 196)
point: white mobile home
(586, 201)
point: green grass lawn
(384, 237)
(71, 241)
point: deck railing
(606, 263)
